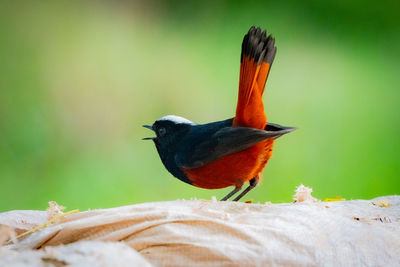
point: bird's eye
(161, 131)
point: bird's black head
(170, 134)
(169, 131)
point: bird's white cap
(176, 119)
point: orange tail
(258, 53)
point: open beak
(285, 130)
(151, 128)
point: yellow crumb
(334, 199)
(381, 203)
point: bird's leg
(253, 183)
(234, 191)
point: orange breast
(233, 169)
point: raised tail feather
(258, 53)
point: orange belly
(234, 169)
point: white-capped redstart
(229, 152)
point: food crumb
(382, 203)
(334, 199)
(54, 210)
(303, 194)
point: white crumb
(303, 194)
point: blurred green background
(79, 79)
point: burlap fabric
(212, 233)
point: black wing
(225, 141)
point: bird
(230, 152)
